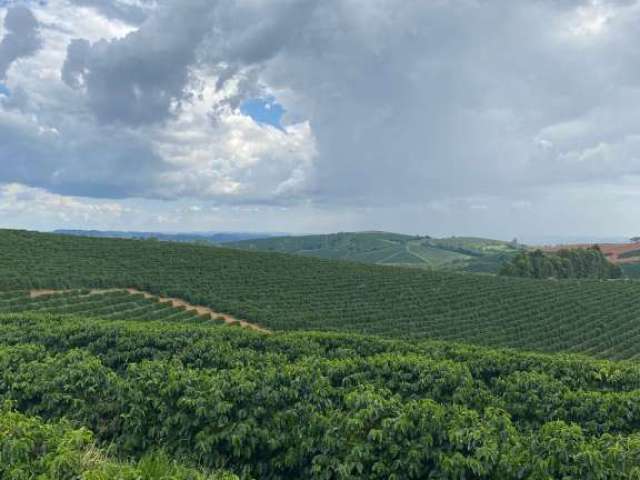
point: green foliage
(108, 305)
(569, 263)
(31, 448)
(631, 270)
(284, 292)
(456, 253)
(128, 388)
(302, 405)
(476, 246)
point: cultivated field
(384, 248)
(283, 292)
(115, 363)
(182, 400)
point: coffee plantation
(283, 292)
(319, 405)
(100, 381)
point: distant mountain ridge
(385, 248)
(205, 237)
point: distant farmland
(471, 254)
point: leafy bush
(31, 448)
(310, 405)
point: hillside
(113, 304)
(181, 400)
(213, 238)
(382, 248)
(101, 380)
(287, 292)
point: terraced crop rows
(108, 305)
(282, 292)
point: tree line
(563, 264)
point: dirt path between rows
(175, 302)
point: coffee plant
(317, 405)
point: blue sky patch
(265, 111)
(4, 90)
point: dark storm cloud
(110, 164)
(22, 37)
(416, 101)
(138, 79)
(252, 33)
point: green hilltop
(383, 248)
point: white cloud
(233, 157)
(18, 200)
(469, 109)
(591, 19)
(61, 146)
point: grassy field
(382, 248)
(284, 292)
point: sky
(497, 118)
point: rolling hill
(101, 381)
(383, 248)
(289, 292)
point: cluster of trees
(306, 405)
(563, 264)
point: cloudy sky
(484, 117)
